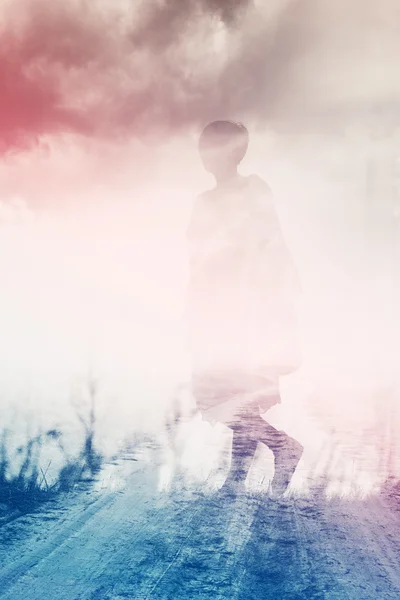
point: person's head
(222, 146)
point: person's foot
(232, 488)
(286, 460)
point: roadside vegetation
(25, 481)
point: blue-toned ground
(120, 538)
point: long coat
(243, 286)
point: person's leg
(244, 446)
(286, 450)
(249, 428)
(243, 450)
(274, 439)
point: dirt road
(132, 542)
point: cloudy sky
(125, 68)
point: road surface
(126, 540)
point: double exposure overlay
(199, 304)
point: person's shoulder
(208, 194)
(260, 185)
(204, 196)
(262, 194)
(203, 200)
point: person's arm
(265, 226)
(272, 239)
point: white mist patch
(99, 287)
(87, 294)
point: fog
(97, 285)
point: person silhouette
(241, 316)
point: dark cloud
(161, 25)
(73, 66)
(150, 68)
